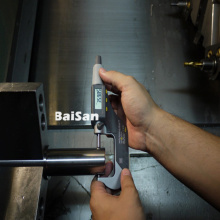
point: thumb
(127, 183)
(116, 79)
(97, 188)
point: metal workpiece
(23, 136)
(98, 141)
(23, 130)
(66, 162)
(23, 193)
(83, 161)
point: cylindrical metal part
(98, 141)
(208, 65)
(22, 163)
(98, 60)
(66, 162)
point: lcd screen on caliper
(98, 98)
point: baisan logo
(76, 116)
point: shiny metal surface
(146, 39)
(60, 157)
(210, 24)
(98, 141)
(209, 27)
(215, 26)
(68, 162)
(8, 14)
(22, 191)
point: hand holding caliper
(109, 124)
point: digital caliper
(109, 124)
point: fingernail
(126, 172)
(102, 70)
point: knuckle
(131, 78)
(113, 72)
(131, 189)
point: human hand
(126, 206)
(132, 103)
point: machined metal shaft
(98, 141)
(65, 162)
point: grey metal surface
(134, 37)
(65, 162)
(210, 27)
(8, 13)
(146, 39)
(21, 191)
(80, 161)
(20, 57)
(22, 136)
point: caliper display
(98, 98)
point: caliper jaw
(121, 155)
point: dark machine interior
(55, 42)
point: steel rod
(83, 161)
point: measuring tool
(108, 124)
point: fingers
(113, 78)
(115, 101)
(112, 88)
(97, 187)
(127, 183)
(117, 106)
(108, 168)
